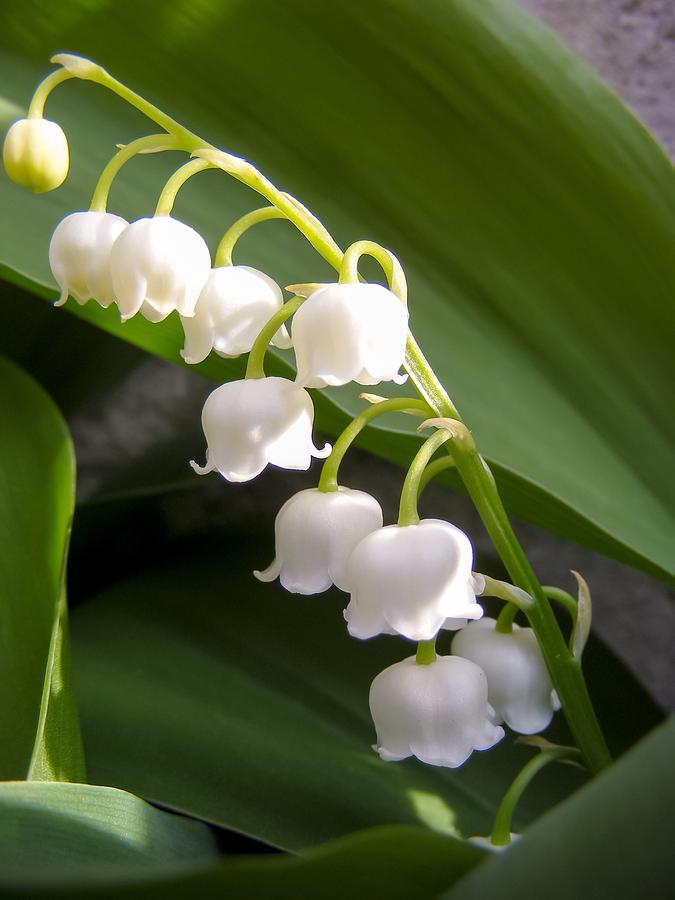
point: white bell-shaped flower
(79, 256)
(233, 306)
(254, 422)
(437, 712)
(35, 154)
(411, 579)
(520, 688)
(158, 265)
(315, 533)
(350, 332)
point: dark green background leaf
(38, 719)
(396, 862)
(236, 702)
(613, 839)
(51, 832)
(533, 213)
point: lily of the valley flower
(233, 306)
(158, 265)
(254, 422)
(315, 533)
(35, 154)
(437, 712)
(520, 688)
(79, 256)
(350, 332)
(410, 579)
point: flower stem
(426, 652)
(329, 473)
(434, 468)
(241, 226)
(501, 830)
(44, 89)
(349, 268)
(153, 143)
(407, 510)
(563, 598)
(170, 190)
(255, 367)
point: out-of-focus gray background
(631, 43)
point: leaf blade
(37, 710)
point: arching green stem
(255, 367)
(44, 89)
(501, 830)
(170, 190)
(153, 143)
(329, 473)
(241, 226)
(87, 70)
(434, 468)
(563, 598)
(504, 623)
(407, 510)
(349, 268)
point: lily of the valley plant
(412, 578)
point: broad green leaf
(394, 862)
(53, 831)
(238, 703)
(613, 839)
(38, 718)
(533, 213)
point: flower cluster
(414, 578)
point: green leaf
(51, 832)
(611, 839)
(532, 212)
(233, 701)
(38, 718)
(394, 862)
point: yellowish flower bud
(35, 154)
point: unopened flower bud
(315, 533)
(520, 688)
(158, 265)
(350, 332)
(410, 579)
(437, 712)
(233, 306)
(35, 154)
(79, 256)
(254, 422)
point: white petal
(436, 712)
(519, 684)
(79, 255)
(253, 422)
(413, 578)
(345, 333)
(316, 532)
(160, 262)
